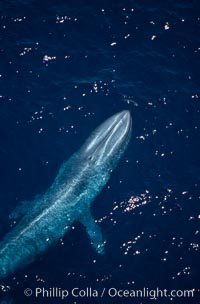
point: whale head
(108, 141)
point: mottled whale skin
(48, 217)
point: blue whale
(48, 217)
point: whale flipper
(94, 232)
(20, 210)
(25, 206)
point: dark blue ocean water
(65, 66)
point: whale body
(48, 217)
